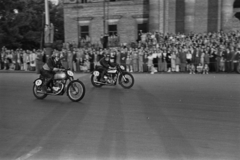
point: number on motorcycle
(38, 82)
(96, 73)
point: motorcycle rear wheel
(38, 95)
(93, 78)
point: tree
(9, 22)
(22, 23)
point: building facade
(125, 18)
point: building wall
(123, 13)
(201, 16)
(172, 16)
(169, 16)
(213, 16)
(70, 25)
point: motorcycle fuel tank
(61, 75)
(112, 71)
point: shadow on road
(53, 133)
(174, 142)
(113, 137)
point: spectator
(177, 62)
(221, 62)
(228, 60)
(14, 60)
(32, 58)
(145, 61)
(182, 58)
(212, 58)
(150, 62)
(233, 52)
(39, 61)
(155, 62)
(129, 62)
(86, 61)
(205, 69)
(189, 60)
(123, 57)
(91, 61)
(117, 55)
(159, 56)
(70, 60)
(199, 68)
(192, 69)
(173, 61)
(135, 60)
(74, 59)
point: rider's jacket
(104, 63)
(51, 63)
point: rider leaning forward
(48, 70)
(106, 62)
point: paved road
(164, 116)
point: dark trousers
(212, 66)
(48, 75)
(236, 67)
(103, 72)
(91, 66)
(2, 65)
(228, 66)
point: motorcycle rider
(48, 70)
(106, 64)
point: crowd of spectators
(153, 52)
(19, 59)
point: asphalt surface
(163, 117)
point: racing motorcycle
(62, 82)
(113, 74)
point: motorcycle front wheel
(126, 80)
(75, 90)
(37, 92)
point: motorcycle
(62, 82)
(118, 73)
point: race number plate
(38, 82)
(96, 73)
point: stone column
(166, 15)
(156, 15)
(189, 15)
(226, 14)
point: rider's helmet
(56, 55)
(107, 57)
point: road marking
(30, 154)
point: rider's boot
(45, 86)
(44, 89)
(102, 79)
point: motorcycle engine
(111, 78)
(58, 85)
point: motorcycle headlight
(70, 73)
(122, 67)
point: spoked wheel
(76, 90)
(94, 80)
(126, 80)
(37, 92)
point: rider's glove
(56, 69)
